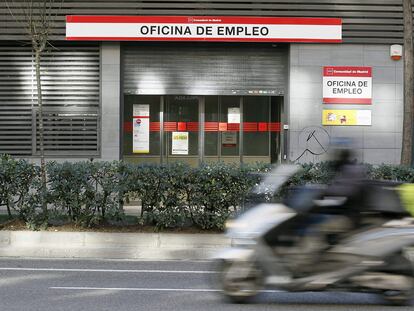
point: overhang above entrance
(204, 69)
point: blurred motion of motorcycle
(351, 235)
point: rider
(337, 208)
(348, 184)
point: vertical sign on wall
(140, 134)
(347, 85)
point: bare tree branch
(22, 23)
(36, 16)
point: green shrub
(392, 172)
(85, 192)
(142, 182)
(69, 188)
(171, 196)
(19, 184)
(173, 210)
(105, 178)
(218, 191)
(177, 195)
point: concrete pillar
(110, 100)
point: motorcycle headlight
(231, 225)
(241, 242)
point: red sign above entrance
(203, 28)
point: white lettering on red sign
(347, 85)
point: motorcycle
(308, 243)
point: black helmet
(342, 157)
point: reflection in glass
(230, 140)
(211, 119)
(256, 110)
(182, 116)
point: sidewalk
(150, 246)
(155, 246)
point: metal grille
(365, 21)
(200, 69)
(70, 85)
(73, 133)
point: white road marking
(149, 289)
(106, 270)
(138, 289)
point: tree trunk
(41, 130)
(406, 154)
(8, 208)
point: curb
(155, 246)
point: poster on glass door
(229, 139)
(141, 126)
(179, 143)
(233, 115)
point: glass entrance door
(256, 132)
(181, 129)
(222, 129)
(191, 129)
(242, 129)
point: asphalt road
(105, 285)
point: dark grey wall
(364, 21)
(376, 144)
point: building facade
(162, 100)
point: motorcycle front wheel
(240, 281)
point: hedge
(88, 193)
(178, 195)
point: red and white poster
(141, 128)
(347, 85)
(203, 28)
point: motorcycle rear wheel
(403, 297)
(399, 298)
